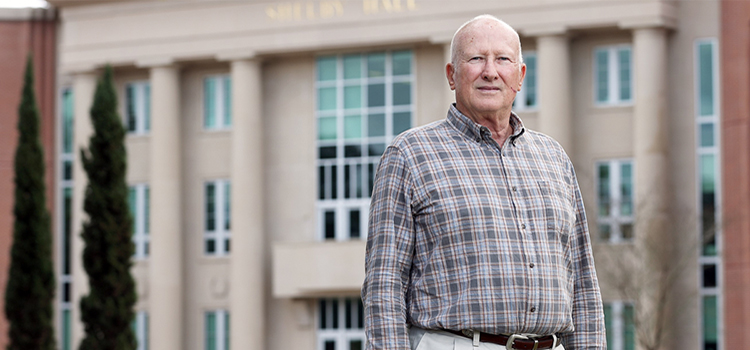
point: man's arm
(390, 247)
(588, 314)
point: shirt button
(514, 188)
(531, 265)
(523, 226)
(533, 308)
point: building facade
(24, 32)
(255, 130)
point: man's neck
(499, 125)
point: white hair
(454, 47)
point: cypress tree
(107, 311)
(30, 290)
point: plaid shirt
(466, 234)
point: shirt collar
(474, 131)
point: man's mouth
(489, 88)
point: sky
(23, 3)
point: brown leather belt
(546, 342)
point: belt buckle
(513, 337)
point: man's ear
(449, 73)
(523, 75)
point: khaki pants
(422, 339)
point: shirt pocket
(558, 215)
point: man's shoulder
(540, 137)
(421, 135)
(544, 142)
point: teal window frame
(706, 77)
(217, 217)
(340, 323)
(217, 102)
(67, 109)
(619, 320)
(615, 189)
(140, 329)
(139, 199)
(217, 330)
(363, 100)
(66, 330)
(137, 107)
(710, 321)
(64, 228)
(613, 75)
(708, 186)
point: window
(217, 102)
(217, 217)
(706, 78)
(140, 328)
(707, 172)
(363, 101)
(341, 324)
(613, 83)
(67, 120)
(65, 205)
(527, 97)
(139, 200)
(138, 107)
(217, 330)
(710, 322)
(619, 321)
(708, 175)
(615, 200)
(66, 330)
(708, 147)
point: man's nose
(490, 72)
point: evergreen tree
(31, 284)
(107, 311)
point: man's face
(487, 69)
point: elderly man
(478, 236)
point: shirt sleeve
(588, 313)
(388, 258)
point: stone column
(165, 259)
(650, 125)
(555, 115)
(655, 236)
(248, 256)
(84, 85)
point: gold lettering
(370, 7)
(307, 10)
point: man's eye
(475, 58)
